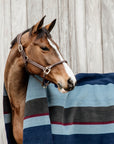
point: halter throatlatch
(46, 70)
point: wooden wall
(84, 31)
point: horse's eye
(45, 48)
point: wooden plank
(108, 34)
(2, 66)
(5, 38)
(34, 11)
(52, 6)
(80, 27)
(64, 29)
(1, 47)
(6, 46)
(72, 36)
(7, 29)
(18, 16)
(93, 36)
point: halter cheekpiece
(46, 70)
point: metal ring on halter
(20, 48)
(26, 57)
(47, 70)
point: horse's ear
(38, 25)
(50, 26)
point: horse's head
(40, 48)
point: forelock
(43, 32)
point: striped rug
(84, 115)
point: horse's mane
(40, 34)
(15, 39)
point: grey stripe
(70, 115)
(82, 114)
(6, 104)
(36, 106)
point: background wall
(84, 31)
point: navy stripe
(9, 134)
(84, 139)
(94, 78)
(42, 135)
(38, 135)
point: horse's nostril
(70, 81)
(70, 84)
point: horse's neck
(15, 76)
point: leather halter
(46, 70)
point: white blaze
(67, 68)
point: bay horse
(35, 52)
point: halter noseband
(46, 70)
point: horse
(35, 52)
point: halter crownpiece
(46, 70)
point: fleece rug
(84, 115)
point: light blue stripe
(36, 121)
(82, 129)
(4, 91)
(35, 90)
(86, 95)
(7, 118)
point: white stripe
(67, 68)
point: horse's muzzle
(70, 86)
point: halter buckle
(44, 86)
(47, 70)
(20, 48)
